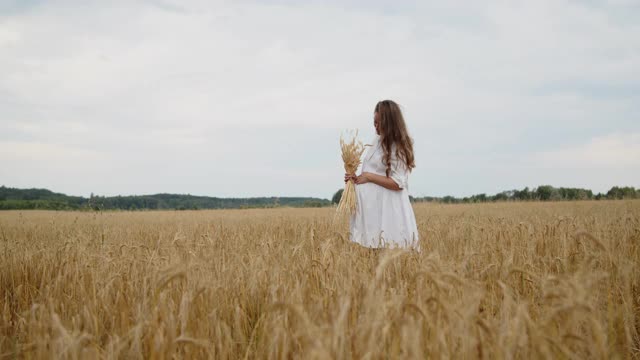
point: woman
(384, 216)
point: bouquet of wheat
(351, 153)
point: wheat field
(494, 281)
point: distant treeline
(541, 193)
(16, 199)
(23, 199)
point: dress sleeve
(398, 172)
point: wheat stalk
(284, 283)
(351, 153)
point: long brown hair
(393, 130)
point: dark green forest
(14, 199)
(23, 199)
(540, 193)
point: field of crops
(503, 280)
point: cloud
(615, 151)
(198, 96)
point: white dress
(384, 217)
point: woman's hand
(347, 177)
(362, 178)
(381, 180)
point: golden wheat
(504, 280)
(351, 153)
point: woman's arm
(383, 181)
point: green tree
(448, 199)
(337, 196)
(523, 194)
(501, 196)
(544, 192)
(312, 203)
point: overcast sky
(249, 98)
